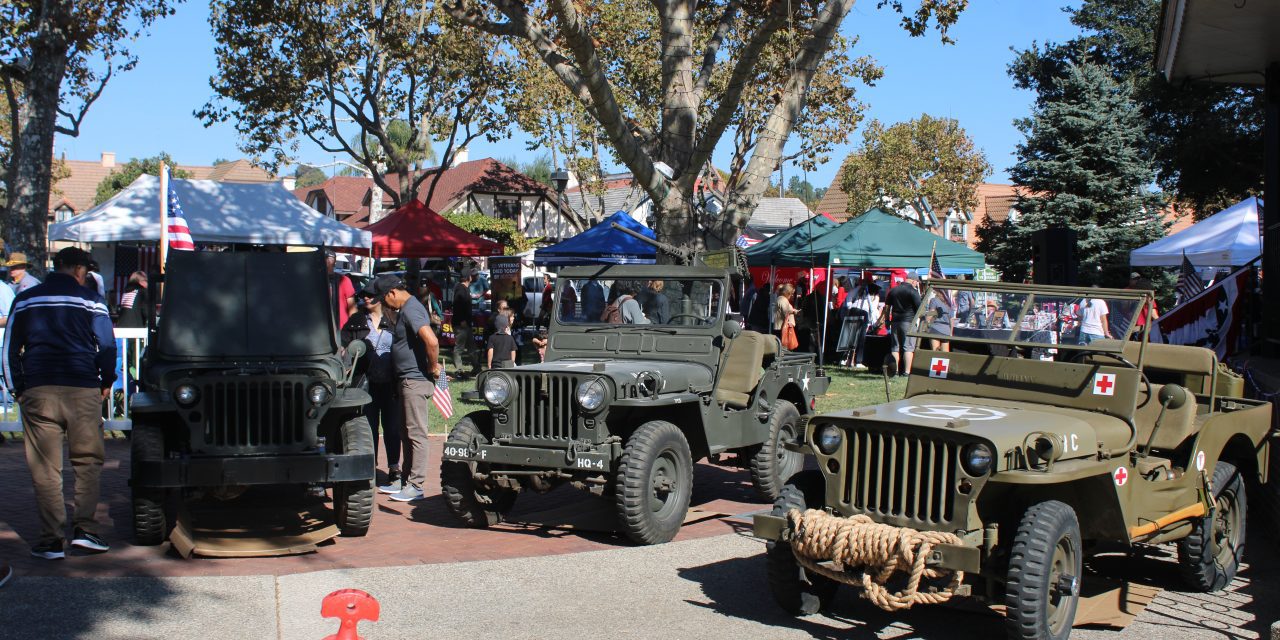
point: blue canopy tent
(601, 244)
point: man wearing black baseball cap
(415, 354)
(60, 364)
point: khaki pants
(416, 398)
(50, 414)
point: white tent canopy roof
(216, 212)
(1227, 238)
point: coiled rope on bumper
(879, 550)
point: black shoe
(49, 550)
(6, 572)
(89, 541)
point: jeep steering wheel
(700, 319)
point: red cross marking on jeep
(1121, 476)
(1103, 383)
(939, 367)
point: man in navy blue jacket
(60, 357)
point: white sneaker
(391, 487)
(859, 367)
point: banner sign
(1213, 318)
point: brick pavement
(401, 534)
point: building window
(63, 214)
(506, 209)
(957, 230)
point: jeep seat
(1177, 425)
(740, 368)
(1192, 367)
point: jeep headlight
(591, 394)
(828, 439)
(497, 389)
(976, 459)
(319, 393)
(186, 395)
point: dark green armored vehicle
(629, 397)
(243, 383)
(1042, 437)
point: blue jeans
(1086, 338)
(385, 411)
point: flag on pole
(935, 273)
(177, 231)
(741, 242)
(1189, 282)
(441, 398)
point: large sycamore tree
(663, 81)
(924, 163)
(380, 82)
(56, 58)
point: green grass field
(848, 390)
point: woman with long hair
(784, 312)
(135, 304)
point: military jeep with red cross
(1028, 439)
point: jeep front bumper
(576, 457)
(251, 470)
(953, 557)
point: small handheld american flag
(441, 398)
(1189, 282)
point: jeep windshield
(601, 302)
(1039, 317)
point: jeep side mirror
(1172, 397)
(732, 328)
(356, 349)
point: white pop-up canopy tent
(216, 212)
(1227, 238)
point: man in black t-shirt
(415, 354)
(900, 306)
(462, 337)
(502, 347)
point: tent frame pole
(826, 314)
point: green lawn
(848, 390)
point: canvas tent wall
(1227, 238)
(216, 212)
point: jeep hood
(1005, 423)
(677, 376)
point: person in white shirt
(860, 308)
(1093, 320)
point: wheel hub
(1067, 585)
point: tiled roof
(80, 187)
(994, 201)
(349, 195)
(776, 214)
(623, 196)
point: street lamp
(560, 178)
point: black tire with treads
(797, 591)
(1037, 606)
(353, 500)
(771, 464)
(655, 483)
(1210, 557)
(470, 504)
(149, 525)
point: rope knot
(879, 550)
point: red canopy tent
(414, 231)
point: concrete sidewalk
(706, 589)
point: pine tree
(1082, 167)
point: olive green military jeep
(1038, 439)
(624, 406)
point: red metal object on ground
(350, 606)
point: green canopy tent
(878, 238)
(797, 238)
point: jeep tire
(798, 592)
(771, 464)
(475, 507)
(353, 500)
(1042, 589)
(149, 524)
(655, 483)
(1210, 556)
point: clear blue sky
(149, 109)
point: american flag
(1189, 282)
(441, 398)
(741, 242)
(179, 232)
(935, 273)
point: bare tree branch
(77, 118)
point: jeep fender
(350, 398)
(1240, 437)
(152, 402)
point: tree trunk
(32, 152)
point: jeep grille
(901, 476)
(545, 408)
(263, 415)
